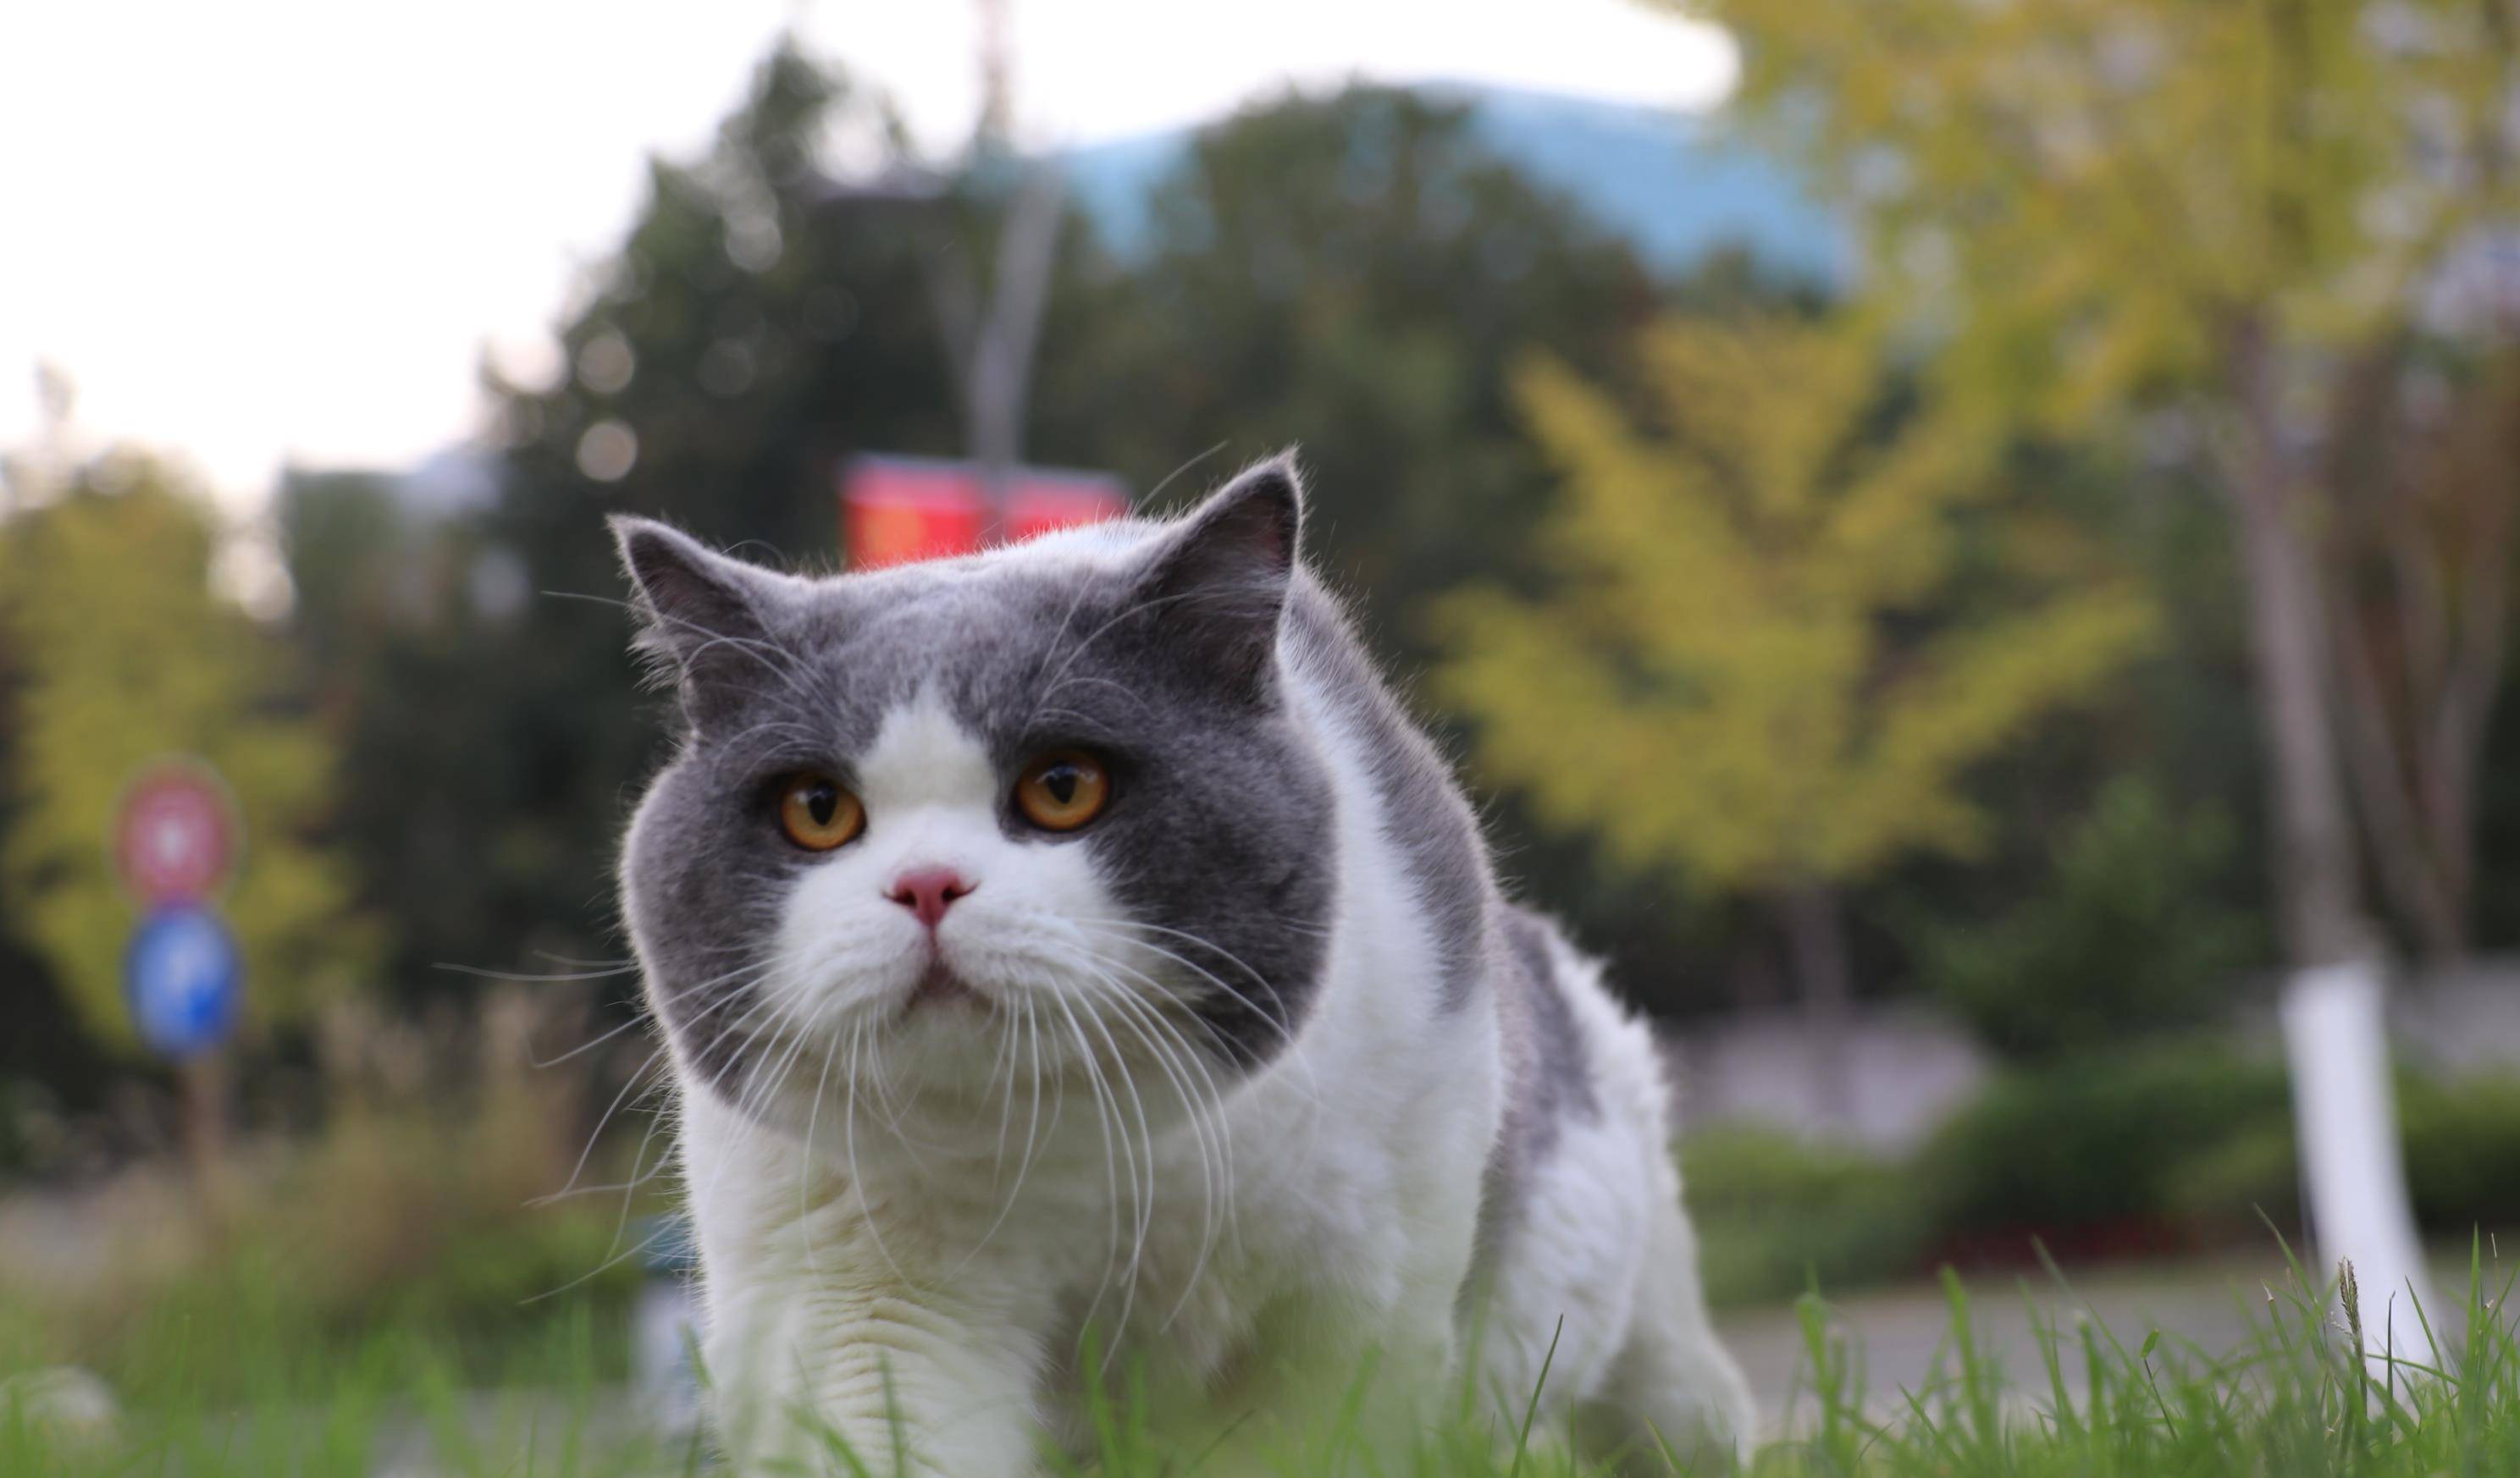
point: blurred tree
(1352, 273)
(2199, 225)
(403, 620)
(48, 1061)
(358, 567)
(1356, 273)
(2420, 553)
(2202, 225)
(750, 331)
(1752, 671)
(2126, 939)
(125, 654)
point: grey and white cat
(1079, 936)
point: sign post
(183, 977)
(175, 837)
(174, 843)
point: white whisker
(805, 1163)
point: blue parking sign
(184, 979)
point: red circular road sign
(175, 837)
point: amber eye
(1064, 790)
(818, 815)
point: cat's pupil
(1060, 783)
(821, 801)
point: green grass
(2293, 1399)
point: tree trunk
(2417, 852)
(1001, 362)
(1814, 920)
(992, 329)
(2335, 1032)
(2317, 887)
(2419, 578)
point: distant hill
(1679, 186)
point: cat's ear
(702, 618)
(1217, 583)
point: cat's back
(1572, 1062)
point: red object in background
(894, 509)
(897, 509)
(175, 835)
(1044, 501)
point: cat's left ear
(1218, 582)
(704, 618)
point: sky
(287, 232)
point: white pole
(2336, 1037)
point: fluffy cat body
(1259, 1077)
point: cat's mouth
(940, 988)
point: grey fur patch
(1548, 1070)
(1560, 1075)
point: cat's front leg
(906, 1383)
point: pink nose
(928, 892)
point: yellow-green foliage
(2094, 199)
(1712, 684)
(122, 653)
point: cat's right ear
(701, 616)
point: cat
(1073, 959)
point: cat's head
(982, 816)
